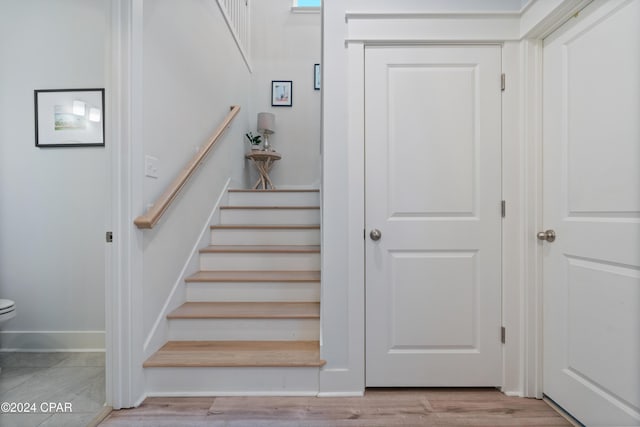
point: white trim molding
(442, 27)
(343, 375)
(124, 376)
(536, 19)
(543, 17)
(531, 202)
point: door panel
(592, 200)
(433, 189)
(450, 132)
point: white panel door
(433, 190)
(592, 201)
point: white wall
(192, 73)
(52, 201)
(285, 46)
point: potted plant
(254, 140)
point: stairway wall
(159, 331)
(192, 72)
(285, 46)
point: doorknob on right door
(375, 234)
(548, 235)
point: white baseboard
(341, 394)
(52, 341)
(341, 382)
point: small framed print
(281, 93)
(69, 117)
(316, 76)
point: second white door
(592, 202)
(433, 191)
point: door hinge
(109, 236)
(503, 334)
(503, 208)
(364, 233)
(503, 81)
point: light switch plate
(150, 166)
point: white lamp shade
(266, 122)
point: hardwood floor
(379, 407)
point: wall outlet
(151, 166)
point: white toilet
(7, 310)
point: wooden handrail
(153, 215)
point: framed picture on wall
(69, 117)
(316, 76)
(281, 93)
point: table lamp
(266, 126)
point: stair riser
(265, 237)
(260, 261)
(232, 381)
(274, 199)
(253, 292)
(270, 216)
(244, 329)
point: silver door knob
(548, 235)
(375, 234)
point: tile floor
(74, 379)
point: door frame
(520, 34)
(509, 158)
(123, 334)
(484, 62)
(532, 195)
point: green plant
(253, 139)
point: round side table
(263, 160)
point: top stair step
(274, 197)
(280, 190)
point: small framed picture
(69, 117)
(316, 76)
(281, 93)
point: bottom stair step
(237, 354)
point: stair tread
(265, 227)
(262, 249)
(290, 190)
(246, 310)
(249, 207)
(254, 276)
(237, 354)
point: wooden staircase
(250, 323)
